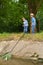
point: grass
(35, 37)
(15, 36)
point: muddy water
(19, 62)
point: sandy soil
(23, 49)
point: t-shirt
(33, 20)
(25, 23)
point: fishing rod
(7, 53)
(17, 42)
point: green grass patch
(16, 36)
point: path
(23, 48)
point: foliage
(16, 36)
(11, 14)
(40, 16)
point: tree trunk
(32, 9)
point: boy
(25, 25)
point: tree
(11, 12)
(33, 6)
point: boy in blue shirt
(33, 22)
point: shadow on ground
(18, 61)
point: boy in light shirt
(25, 25)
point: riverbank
(22, 48)
(15, 36)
